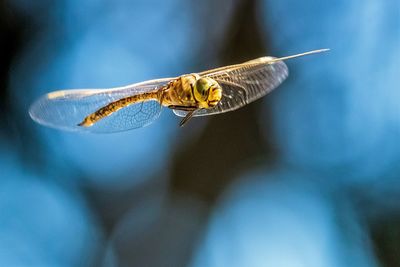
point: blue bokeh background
(308, 176)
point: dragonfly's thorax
(191, 91)
(178, 92)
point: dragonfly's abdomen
(117, 105)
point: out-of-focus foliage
(308, 176)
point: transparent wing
(244, 83)
(66, 109)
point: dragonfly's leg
(187, 117)
(184, 108)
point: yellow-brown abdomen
(117, 105)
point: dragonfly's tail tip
(84, 123)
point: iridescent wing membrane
(243, 83)
(66, 109)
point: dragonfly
(137, 105)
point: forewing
(66, 109)
(244, 83)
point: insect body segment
(115, 106)
(179, 92)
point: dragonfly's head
(207, 92)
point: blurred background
(307, 176)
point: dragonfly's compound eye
(207, 92)
(202, 89)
